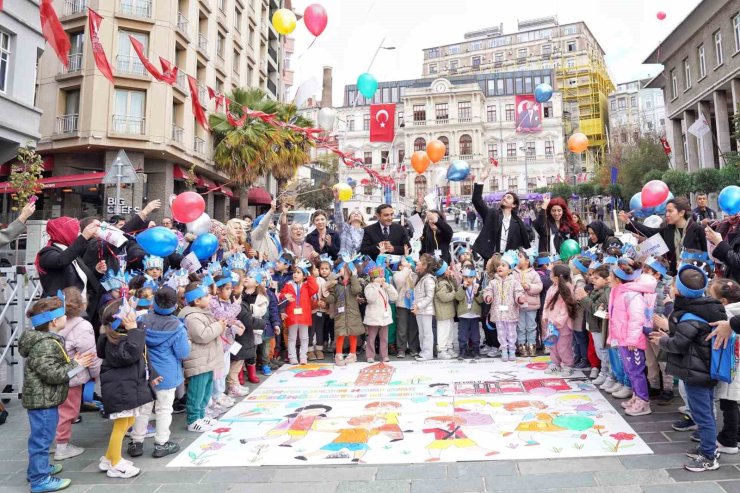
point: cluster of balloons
(654, 193)
(639, 210)
(729, 200)
(577, 143)
(436, 150)
(314, 17)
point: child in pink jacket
(627, 318)
(560, 310)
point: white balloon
(440, 176)
(200, 226)
(326, 118)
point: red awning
(228, 192)
(48, 165)
(206, 182)
(259, 196)
(62, 181)
(179, 173)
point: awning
(62, 181)
(179, 173)
(47, 160)
(227, 191)
(259, 196)
(205, 183)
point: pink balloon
(661, 15)
(315, 18)
(187, 207)
(654, 193)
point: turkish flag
(382, 122)
(200, 115)
(666, 146)
(54, 32)
(101, 60)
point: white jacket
(724, 390)
(378, 309)
(404, 281)
(424, 295)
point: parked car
(302, 217)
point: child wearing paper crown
(444, 312)
(347, 321)
(379, 294)
(505, 294)
(153, 267)
(46, 374)
(526, 331)
(407, 332)
(423, 307)
(559, 310)
(469, 298)
(254, 305)
(222, 308)
(298, 293)
(690, 356)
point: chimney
(326, 100)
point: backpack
(724, 360)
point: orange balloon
(420, 161)
(435, 150)
(577, 143)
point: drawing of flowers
(619, 438)
(219, 432)
(212, 446)
(600, 429)
(202, 458)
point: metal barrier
(19, 288)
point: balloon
(543, 93)
(284, 21)
(661, 15)
(458, 170)
(187, 207)
(440, 177)
(654, 193)
(569, 249)
(344, 191)
(201, 225)
(661, 208)
(367, 84)
(577, 143)
(420, 161)
(158, 241)
(205, 246)
(436, 150)
(729, 200)
(636, 202)
(326, 118)
(352, 183)
(315, 19)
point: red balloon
(661, 15)
(654, 193)
(187, 207)
(315, 18)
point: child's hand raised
(85, 360)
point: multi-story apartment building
(477, 119)
(701, 79)
(224, 44)
(21, 45)
(571, 50)
(634, 112)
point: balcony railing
(442, 121)
(127, 64)
(272, 87)
(74, 63)
(203, 42)
(132, 125)
(182, 23)
(419, 123)
(72, 7)
(137, 8)
(67, 124)
(464, 119)
(177, 133)
(199, 145)
(272, 52)
(181, 81)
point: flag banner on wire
(197, 108)
(700, 127)
(53, 31)
(101, 60)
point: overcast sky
(627, 30)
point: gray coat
(15, 229)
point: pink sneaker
(639, 408)
(351, 358)
(629, 403)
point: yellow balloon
(284, 21)
(344, 191)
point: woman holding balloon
(351, 231)
(555, 225)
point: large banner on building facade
(528, 114)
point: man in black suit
(384, 236)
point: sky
(627, 30)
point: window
(736, 31)
(498, 57)
(453, 66)
(570, 46)
(519, 88)
(509, 86)
(127, 61)
(549, 148)
(687, 74)
(476, 61)
(648, 103)
(351, 123)
(399, 119)
(513, 182)
(220, 44)
(394, 99)
(509, 112)
(77, 42)
(401, 189)
(384, 157)
(433, 53)
(521, 53)
(511, 149)
(441, 111)
(420, 184)
(67, 122)
(547, 110)
(530, 150)
(528, 85)
(466, 187)
(432, 68)
(493, 183)
(622, 103)
(386, 94)
(674, 84)
(633, 101)
(367, 158)
(222, 5)
(614, 104)
(464, 111)
(702, 63)
(466, 145)
(491, 113)
(420, 144)
(366, 122)
(718, 59)
(420, 113)
(492, 150)
(237, 18)
(546, 50)
(476, 45)
(401, 155)
(454, 50)
(4, 60)
(570, 62)
(446, 142)
(128, 117)
(235, 62)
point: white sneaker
(552, 370)
(566, 371)
(683, 409)
(600, 379)
(238, 391)
(199, 426)
(225, 401)
(444, 355)
(494, 352)
(623, 393)
(594, 373)
(104, 463)
(210, 421)
(124, 469)
(607, 383)
(726, 450)
(615, 387)
(67, 452)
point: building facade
(224, 44)
(21, 46)
(570, 50)
(701, 79)
(635, 112)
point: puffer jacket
(689, 353)
(348, 320)
(123, 375)
(512, 294)
(79, 338)
(206, 349)
(462, 301)
(627, 312)
(558, 314)
(424, 295)
(45, 379)
(404, 281)
(167, 345)
(251, 315)
(531, 295)
(307, 291)
(590, 304)
(379, 298)
(724, 390)
(444, 299)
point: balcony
(273, 53)
(74, 63)
(272, 88)
(136, 8)
(419, 123)
(182, 24)
(74, 7)
(203, 42)
(67, 124)
(181, 81)
(464, 119)
(130, 125)
(442, 121)
(177, 133)
(199, 145)
(466, 157)
(127, 64)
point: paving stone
(678, 436)
(730, 486)
(696, 487)
(309, 474)
(239, 475)
(580, 465)
(595, 489)
(632, 477)
(99, 478)
(457, 485)
(199, 488)
(487, 468)
(654, 437)
(648, 427)
(162, 477)
(12, 466)
(539, 482)
(671, 448)
(653, 461)
(322, 487)
(724, 472)
(389, 486)
(412, 471)
(124, 488)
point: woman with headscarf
(324, 240)
(351, 231)
(555, 224)
(60, 264)
(598, 232)
(236, 239)
(293, 238)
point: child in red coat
(299, 292)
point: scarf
(62, 231)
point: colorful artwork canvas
(414, 412)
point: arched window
(466, 145)
(420, 144)
(446, 142)
(420, 185)
(466, 186)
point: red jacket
(308, 289)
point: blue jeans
(618, 368)
(701, 402)
(526, 330)
(43, 429)
(468, 331)
(580, 345)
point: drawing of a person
(448, 432)
(298, 423)
(388, 411)
(352, 439)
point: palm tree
(256, 148)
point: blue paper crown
(610, 260)
(224, 281)
(207, 280)
(257, 275)
(685, 291)
(579, 265)
(177, 278)
(153, 262)
(653, 263)
(511, 257)
(461, 250)
(46, 317)
(324, 257)
(531, 254)
(142, 302)
(348, 260)
(238, 261)
(469, 273)
(304, 265)
(618, 272)
(164, 311)
(595, 264)
(442, 269)
(214, 267)
(150, 283)
(269, 265)
(696, 257)
(113, 280)
(195, 294)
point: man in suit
(384, 236)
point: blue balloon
(367, 84)
(352, 183)
(458, 170)
(729, 200)
(543, 93)
(636, 202)
(158, 241)
(205, 246)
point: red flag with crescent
(382, 122)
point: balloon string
(309, 47)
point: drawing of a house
(377, 374)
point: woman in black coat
(554, 225)
(436, 237)
(322, 239)
(727, 245)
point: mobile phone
(33, 199)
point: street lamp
(526, 169)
